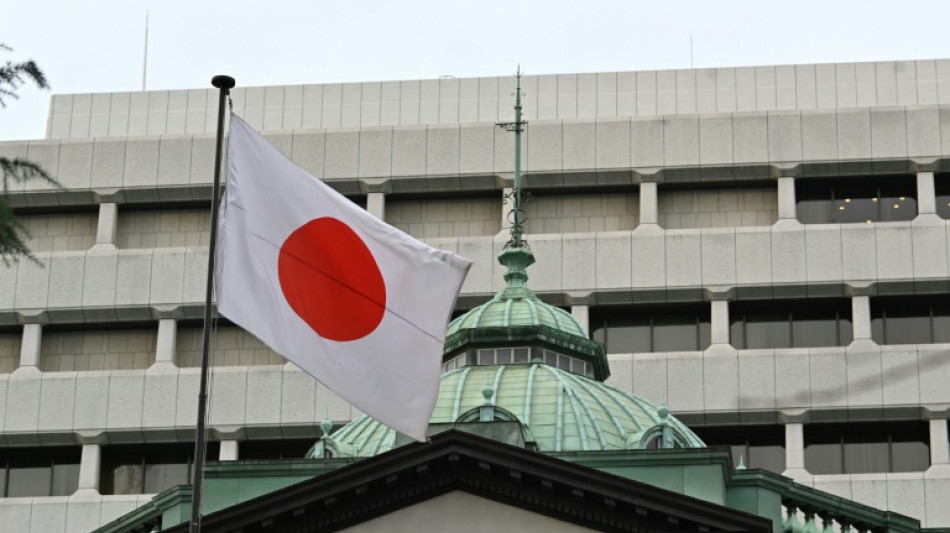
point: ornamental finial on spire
(517, 254)
(517, 194)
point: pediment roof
(457, 461)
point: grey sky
(97, 45)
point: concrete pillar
(376, 204)
(166, 349)
(229, 450)
(89, 467)
(108, 216)
(939, 442)
(786, 199)
(648, 203)
(30, 346)
(794, 446)
(582, 314)
(861, 317)
(719, 322)
(926, 197)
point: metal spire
(517, 254)
(517, 194)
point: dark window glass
(256, 450)
(941, 323)
(813, 203)
(625, 334)
(39, 471)
(522, 355)
(824, 458)
(122, 479)
(147, 468)
(652, 328)
(757, 446)
(790, 324)
(705, 335)
(29, 481)
(898, 200)
(820, 326)
(902, 327)
(922, 319)
(65, 479)
(767, 328)
(856, 199)
(910, 456)
(942, 190)
(866, 447)
(161, 476)
(674, 333)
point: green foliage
(13, 75)
(12, 233)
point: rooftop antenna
(145, 55)
(517, 224)
(517, 254)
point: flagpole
(224, 85)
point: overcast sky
(97, 45)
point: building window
(654, 328)
(866, 447)
(568, 363)
(791, 324)
(856, 199)
(757, 446)
(39, 471)
(942, 192)
(454, 363)
(262, 450)
(904, 320)
(502, 356)
(147, 468)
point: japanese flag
(356, 303)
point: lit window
(861, 199)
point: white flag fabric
(356, 303)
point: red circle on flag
(331, 280)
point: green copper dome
(559, 411)
(524, 372)
(516, 305)
(516, 317)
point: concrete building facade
(763, 249)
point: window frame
(739, 313)
(829, 190)
(700, 312)
(878, 314)
(55, 456)
(855, 431)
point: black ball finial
(222, 81)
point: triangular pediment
(458, 466)
(461, 512)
